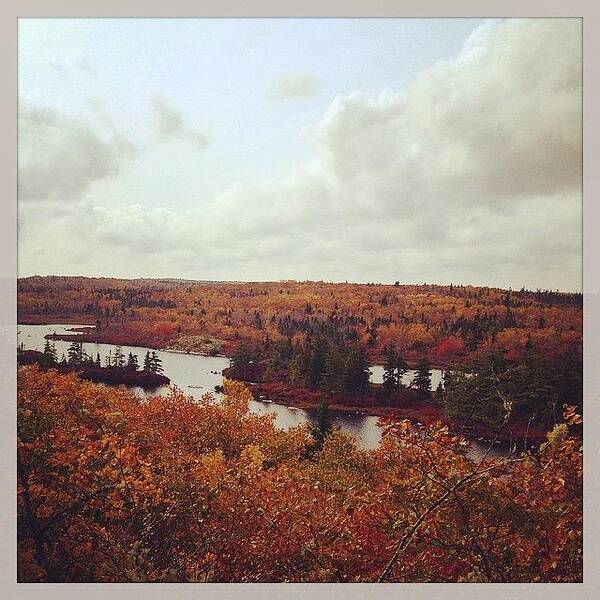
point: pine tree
(147, 363)
(422, 380)
(132, 362)
(50, 352)
(241, 360)
(323, 426)
(98, 363)
(394, 368)
(334, 370)
(119, 359)
(257, 321)
(75, 353)
(314, 361)
(439, 394)
(357, 374)
(155, 364)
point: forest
(445, 324)
(308, 342)
(218, 493)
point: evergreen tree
(422, 380)
(75, 353)
(393, 370)
(295, 367)
(155, 363)
(132, 362)
(147, 363)
(119, 359)
(50, 352)
(315, 362)
(98, 363)
(282, 354)
(87, 359)
(323, 426)
(439, 394)
(242, 359)
(357, 374)
(280, 357)
(257, 321)
(334, 370)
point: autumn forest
(218, 493)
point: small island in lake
(117, 371)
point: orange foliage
(419, 320)
(115, 488)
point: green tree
(75, 353)
(323, 425)
(334, 370)
(422, 380)
(132, 362)
(314, 361)
(439, 394)
(119, 358)
(50, 352)
(242, 359)
(155, 364)
(357, 374)
(393, 370)
(147, 363)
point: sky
(364, 150)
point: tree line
(76, 356)
(335, 364)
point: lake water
(196, 375)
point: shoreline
(69, 337)
(194, 353)
(288, 397)
(419, 414)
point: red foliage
(113, 488)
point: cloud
(293, 86)
(60, 158)
(170, 125)
(472, 174)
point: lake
(196, 375)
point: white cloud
(170, 124)
(471, 175)
(292, 86)
(60, 158)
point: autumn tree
(218, 494)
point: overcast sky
(437, 151)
